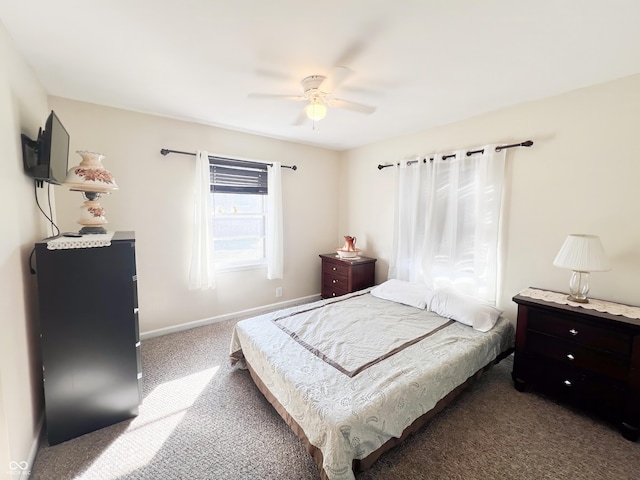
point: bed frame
(360, 465)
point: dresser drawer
(577, 355)
(329, 291)
(334, 286)
(579, 332)
(335, 269)
(574, 385)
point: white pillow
(408, 293)
(464, 309)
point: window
(239, 192)
(239, 229)
(447, 225)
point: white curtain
(274, 240)
(447, 222)
(202, 274)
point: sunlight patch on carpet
(160, 413)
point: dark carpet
(201, 419)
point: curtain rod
(166, 151)
(526, 143)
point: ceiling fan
(317, 92)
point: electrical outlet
(278, 291)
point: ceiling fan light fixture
(316, 111)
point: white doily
(598, 305)
(85, 241)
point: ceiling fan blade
(337, 76)
(301, 119)
(267, 73)
(364, 38)
(280, 97)
(353, 106)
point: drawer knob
(573, 332)
(334, 281)
(571, 357)
(333, 294)
(334, 269)
(567, 383)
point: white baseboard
(220, 318)
(35, 445)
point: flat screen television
(46, 159)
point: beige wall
(155, 200)
(580, 176)
(23, 109)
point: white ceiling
(420, 63)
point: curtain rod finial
(164, 151)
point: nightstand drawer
(329, 291)
(579, 356)
(335, 283)
(579, 332)
(333, 269)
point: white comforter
(326, 367)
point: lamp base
(92, 230)
(571, 298)
(579, 287)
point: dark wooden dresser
(341, 276)
(89, 336)
(582, 356)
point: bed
(355, 375)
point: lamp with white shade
(582, 254)
(93, 180)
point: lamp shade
(90, 175)
(582, 253)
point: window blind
(237, 176)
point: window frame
(234, 183)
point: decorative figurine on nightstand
(349, 243)
(349, 250)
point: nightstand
(343, 275)
(580, 355)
